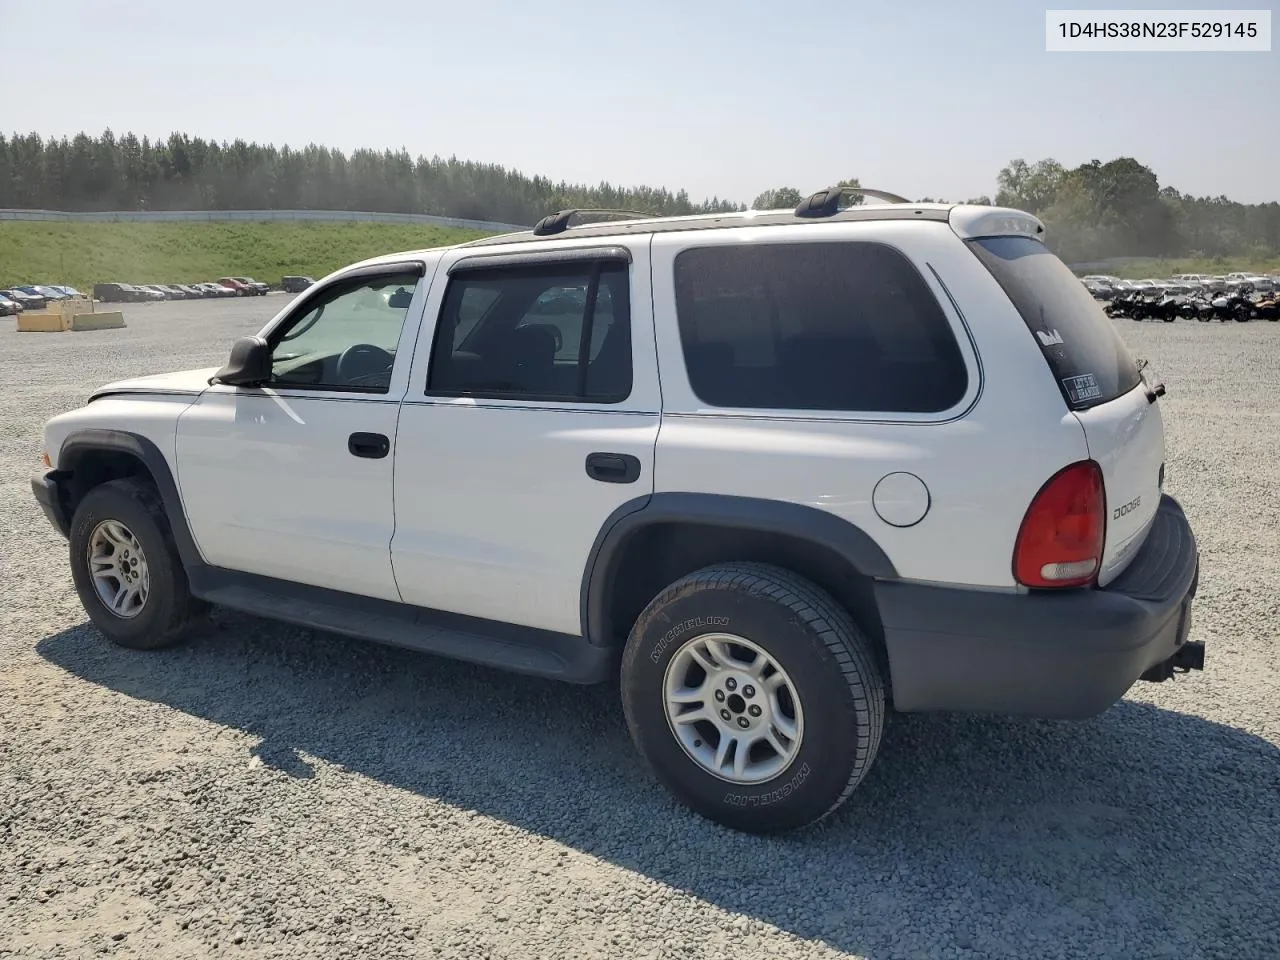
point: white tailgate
(1126, 437)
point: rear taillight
(1063, 532)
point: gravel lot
(266, 792)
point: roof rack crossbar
(826, 203)
(559, 222)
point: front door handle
(375, 446)
(613, 467)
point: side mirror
(249, 366)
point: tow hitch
(1188, 657)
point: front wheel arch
(88, 458)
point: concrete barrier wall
(321, 216)
(41, 323)
(108, 320)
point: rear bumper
(1055, 655)
(47, 494)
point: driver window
(347, 339)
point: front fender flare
(85, 442)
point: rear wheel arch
(651, 542)
(89, 458)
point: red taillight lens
(1062, 535)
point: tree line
(1092, 212)
(86, 173)
(1118, 209)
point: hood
(182, 383)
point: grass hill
(82, 254)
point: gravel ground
(266, 792)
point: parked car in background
(192, 292)
(43, 290)
(118, 293)
(220, 290)
(9, 308)
(296, 284)
(241, 288)
(69, 291)
(257, 286)
(29, 301)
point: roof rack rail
(826, 203)
(559, 222)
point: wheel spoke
(703, 660)
(116, 533)
(782, 723)
(693, 716)
(771, 738)
(773, 683)
(720, 652)
(758, 666)
(122, 594)
(722, 751)
(741, 749)
(688, 695)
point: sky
(718, 98)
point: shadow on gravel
(1141, 830)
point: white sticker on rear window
(1082, 388)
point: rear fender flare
(748, 514)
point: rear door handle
(375, 446)
(613, 467)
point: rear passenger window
(848, 326)
(557, 332)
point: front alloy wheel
(118, 567)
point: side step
(504, 646)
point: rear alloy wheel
(753, 696)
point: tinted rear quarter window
(1080, 343)
(835, 326)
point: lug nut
(744, 722)
(753, 710)
(731, 684)
(748, 691)
(719, 696)
(724, 715)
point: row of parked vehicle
(34, 296)
(1108, 288)
(38, 296)
(143, 292)
(1240, 305)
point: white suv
(778, 471)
